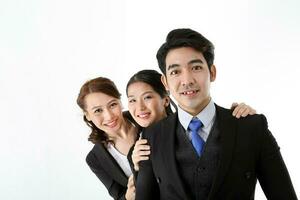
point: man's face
(188, 78)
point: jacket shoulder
(225, 113)
(156, 128)
(91, 158)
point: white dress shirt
(206, 116)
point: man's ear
(163, 79)
(213, 73)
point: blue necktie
(197, 141)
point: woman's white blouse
(120, 158)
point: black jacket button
(248, 175)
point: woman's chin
(144, 123)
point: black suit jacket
(108, 171)
(248, 152)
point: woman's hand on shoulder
(242, 110)
(140, 152)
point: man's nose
(186, 79)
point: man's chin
(191, 107)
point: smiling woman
(148, 100)
(105, 117)
(113, 133)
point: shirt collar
(205, 116)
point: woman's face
(145, 105)
(104, 111)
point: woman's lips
(144, 115)
(112, 124)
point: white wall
(49, 48)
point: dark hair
(152, 78)
(103, 85)
(185, 38)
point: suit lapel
(168, 131)
(227, 128)
(110, 165)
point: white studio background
(49, 48)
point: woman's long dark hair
(105, 86)
(152, 78)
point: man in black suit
(202, 151)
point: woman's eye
(113, 105)
(131, 100)
(98, 110)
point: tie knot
(195, 124)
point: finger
(239, 105)
(235, 112)
(237, 108)
(131, 183)
(143, 147)
(141, 141)
(141, 158)
(137, 159)
(136, 167)
(136, 156)
(245, 112)
(139, 149)
(233, 105)
(142, 153)
(242, 110)
(250, 110)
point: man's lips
(189, 92)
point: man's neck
(195, 112)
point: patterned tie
(197, 141)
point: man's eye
(197, 67)
(174, 72)
(147, 97)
